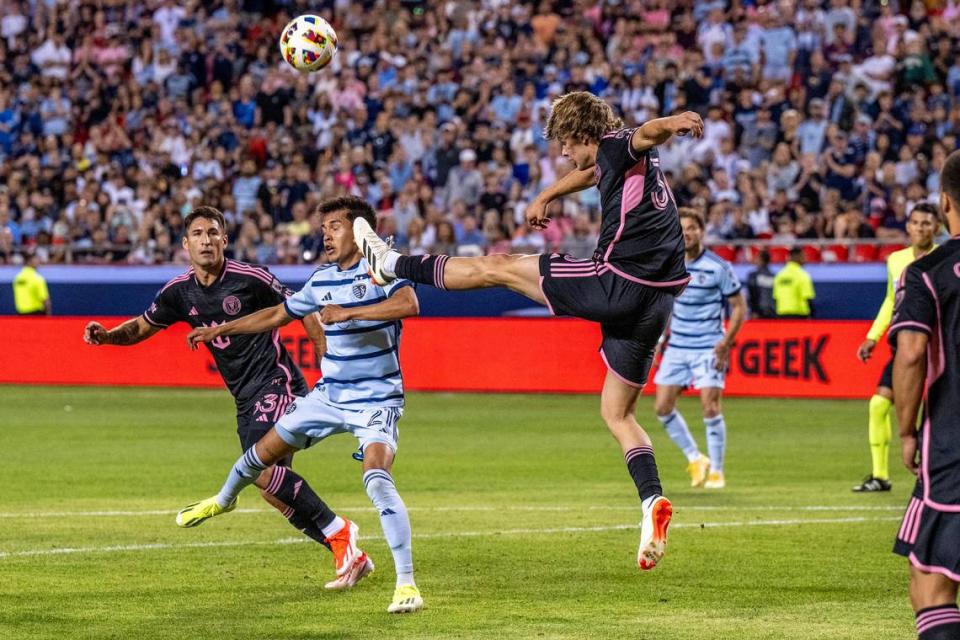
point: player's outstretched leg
(519, 273)
(287, 486)
(618, 402)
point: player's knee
(495, 269)
(711, 409)
(663, 407)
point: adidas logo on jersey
(327, 298)
(194, 312)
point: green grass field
(523, 514)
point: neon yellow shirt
(896, 263)
(793, 290)
(29, 291)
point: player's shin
(394, 520)
(291, 489)
(245, 472)
(643, 469)
(421, 269)
(716, 441)
(676, 427)
(939, 623)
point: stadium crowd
(824, 119)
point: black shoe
(871, 484)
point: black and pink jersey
(640, 235)
(247, 363)
(928, 301)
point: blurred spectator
(760, 288)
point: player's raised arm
(658, 131)
(400, 305)
(130, 332)
(263, 320)
(576, 180)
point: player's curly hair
(582, 116)
(355, 208)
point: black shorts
(254, 423)
(929, 538)
(886, 378)
(632, 315)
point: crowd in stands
(824, 119)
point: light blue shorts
(685, 367)
(312, 418)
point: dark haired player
(361, 391)
(257, 369)
(927, 369)
(922, 225)
(628, 286)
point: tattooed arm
(130, 332)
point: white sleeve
(392, 287)
(302, 302)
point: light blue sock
(394, 521)
(716, 441)
(679, 432)
(245, 471)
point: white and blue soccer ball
(308, 43)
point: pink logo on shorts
(231, 305)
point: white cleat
(373, 248)
(362, 567)
(653, 533)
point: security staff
(793, 288)
(30, 295)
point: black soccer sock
(643, 470)
(939, 623)
(306, 526)
(291, 489)
(422, 269)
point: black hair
(207, 212)
(355, 208)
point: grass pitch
(523, 514)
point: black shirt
(928, 301)
(640, 233)
(247, 363)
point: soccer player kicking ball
(361, 391)
(628, 286)
(257, 369)
(927, 368)
(922, 225)
(698, 352)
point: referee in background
(30, 294)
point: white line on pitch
(467, 508)
(427, 536)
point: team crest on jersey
(701, 278)
(231, 305)
(359, 290)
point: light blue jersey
(697, 321)
(361, 368)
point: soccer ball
(308, 43)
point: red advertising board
(786, 358)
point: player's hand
(722, 352)
(536, 214)
(865, 350)
(201, 335)
(688, 122)
(334, 313)
(95, 333)
(909, 449)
